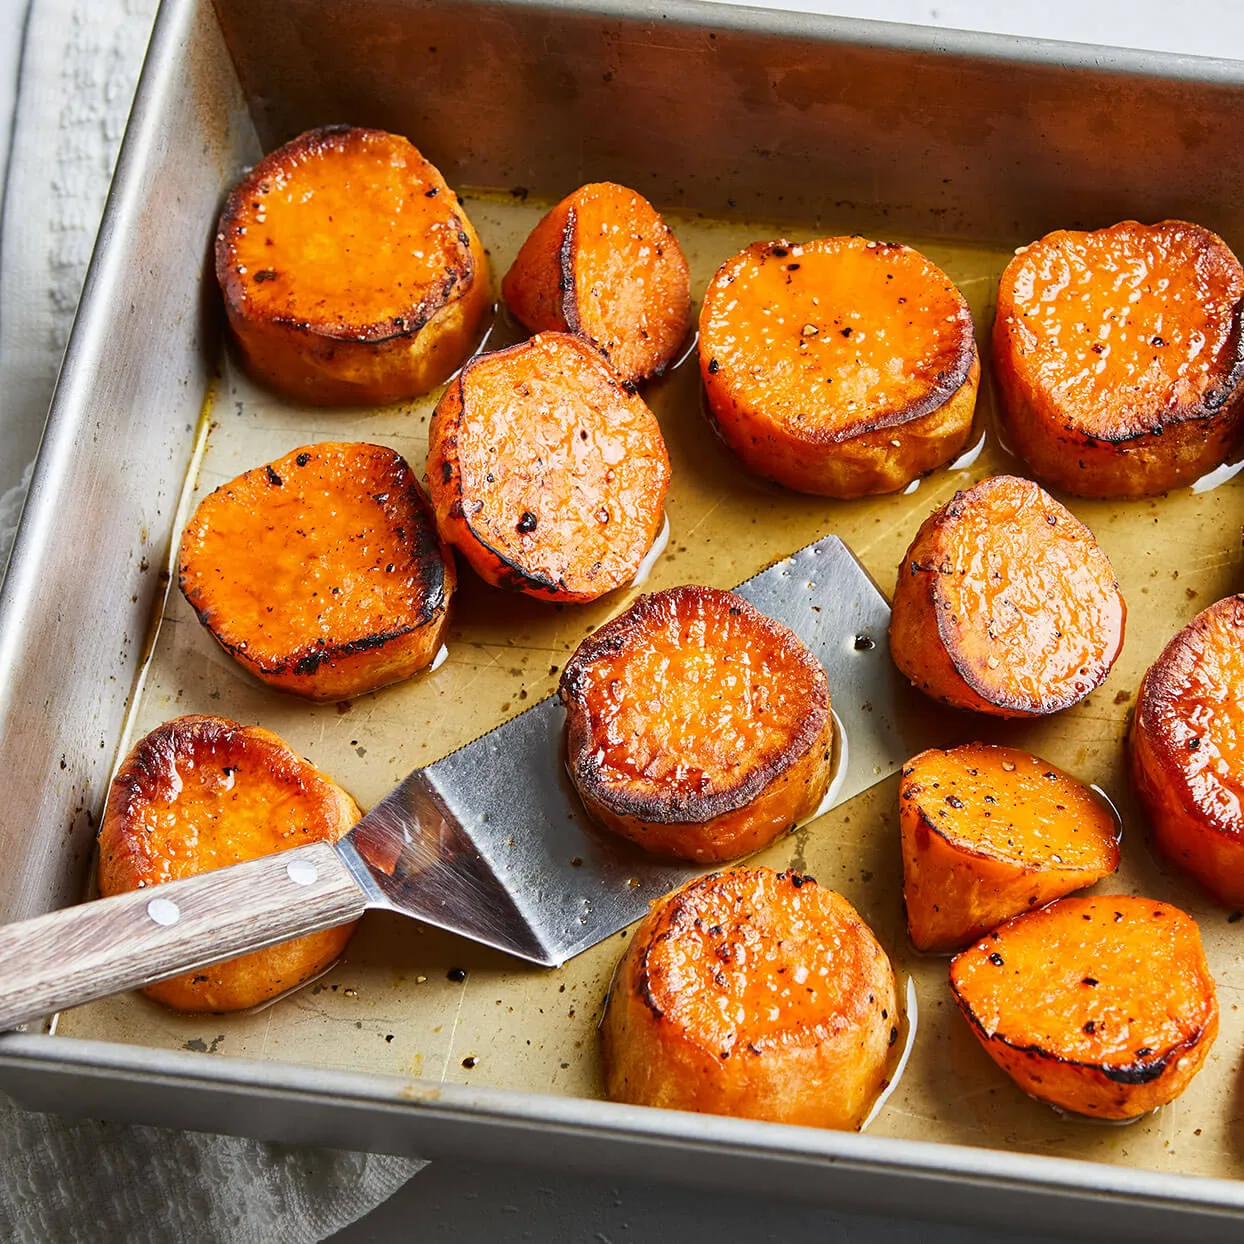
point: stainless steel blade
(492, 842)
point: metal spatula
(489, 842)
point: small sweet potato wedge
(1119, 356)
(546, 471)
(349, 270)
(842, 367)
(1005, 604)
(1187, 749)
(604, 266)
(321, 572)
(1102, 1006)
(989, 832)
(696, 726)
(199, 793)
(755, 994)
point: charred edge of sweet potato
(1156, 684)
(565, 273)
(945, 385)
(690, 809)
(308, 659)
(677, 919)
(515, 577)
(432, 601)
(1211, 405)
(407, 324)
(146, 769)
(961, 848)
(512, 577)
(986, 691)
(1216, 403)
(1128, 1073)
(643, 980)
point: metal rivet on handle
(302, 872)
(163, 911)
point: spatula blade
(491, 841)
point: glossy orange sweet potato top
(988, 832)
(1114, 982)
(688, 704)
(1192, 709)
(345, 229)
(604, 266)
(326, 558)
(757, 958)
(1006, 804)
(755, 994)
(1126, 328)
(200, 793)
(1187, 748)
(1006, 602)
(836, 337)
(546, 471)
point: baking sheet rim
(24, 1056)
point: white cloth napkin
(88, 1181)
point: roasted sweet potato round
(1103, 1006)
(546, 471)
(842, 367)
(321, 572)
(696, 726)
(604, 266)
(199, 793)
(756, 994)
(989, 832)
(349, 270)
(1005, 604)
(1187, 749)
(1120, 358)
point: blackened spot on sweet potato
(1135, 1073)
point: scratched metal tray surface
(740, 124)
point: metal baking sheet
(743, 124)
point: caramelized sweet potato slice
(1187, 749)
(199, 793)
(989, 832)
(546, 471)
(321, 572)
(349, 270)
(842, 367)
(1103, 1006)
(756, 994)
(696, 726)
(1120, 357)
(1005, 604)
(604, 266)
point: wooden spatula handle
(81, 953)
